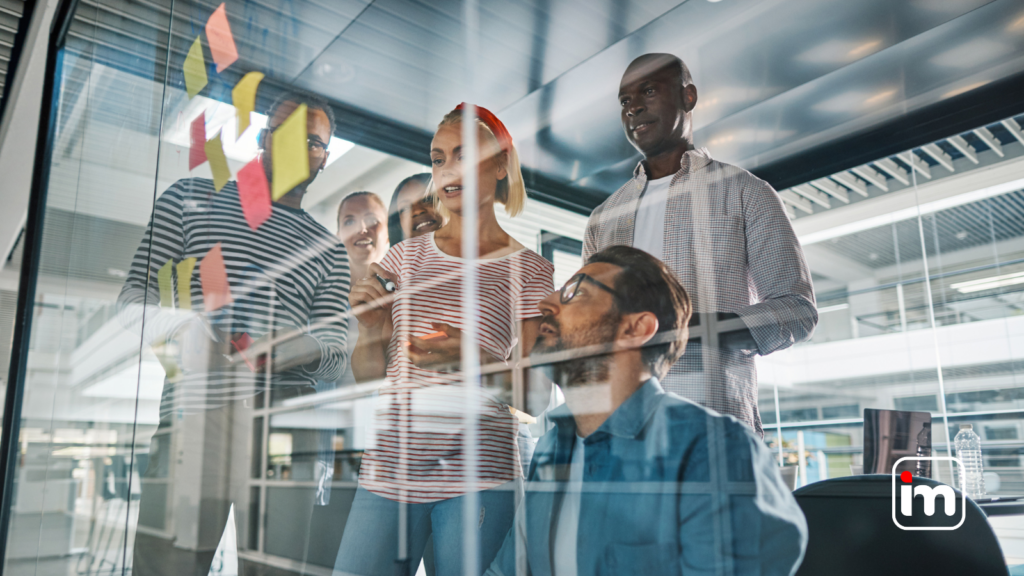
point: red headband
(492, 122)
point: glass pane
(297, 313)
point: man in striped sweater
(286, 280)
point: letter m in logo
(911, 487)
(929, 494)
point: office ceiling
(777, 78)
(11, 12)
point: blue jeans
(370, 545)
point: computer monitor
(892, 434)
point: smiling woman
(412, 210)
(413, 337)
(362, 228)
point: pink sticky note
(243, 342)
(214, 278)
(254, 193)
(222, 44)
(197, 135)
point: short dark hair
(395, 232)
(312, 101)
(661, 61)
(645, 284)
(356, 194)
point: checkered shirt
(730, 244)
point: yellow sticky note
(290, 154)
(243, 96)
(163, 279)
(195, 69)
(218, 162)
(185, 268)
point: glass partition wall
(129, 463)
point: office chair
(851, 532)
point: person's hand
(370, 302)
(195, 346)
(443, 352)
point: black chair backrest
(851, 532)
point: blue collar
(627, 421)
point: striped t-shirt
(290, 273)
(421, 413)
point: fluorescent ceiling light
(834, 308)
(221, 118)
(971, 54)
(839, 51)
(989, 283)
(911, 212)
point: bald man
(721, 230)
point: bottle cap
(967, 426)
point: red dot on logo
(907, 477)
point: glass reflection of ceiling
(959, 228)
(776, 77)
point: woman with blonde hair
(415, 479)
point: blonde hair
(511, 190)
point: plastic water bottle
(924, 450)
(968, 450)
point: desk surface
(1011, 508)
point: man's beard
(582, 371)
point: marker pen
(387, 284)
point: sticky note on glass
(163, 279)
(254, 194)
(197, 142)
(222, 44)
(185, 268)
(214, 278)
(243, 96)
(289, 153)
(218, 162)
(195, 69)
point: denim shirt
(669, 487)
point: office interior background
(891, 129)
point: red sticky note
(214, 278)
(197, 136)
(222, 44)
(254, 193)
(243, 342)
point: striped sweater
(421, 413)
(291, 273)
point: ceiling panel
(776, 78)
(406, 59)
(975, 224)
(11, 13)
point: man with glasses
(721, 230)
(280, 288)
(633, 479)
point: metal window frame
(11, 425)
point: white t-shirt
(649, 229)
(569, 516)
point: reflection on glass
(183, 420)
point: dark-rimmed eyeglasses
(572, 287)
(313, 143)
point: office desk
(1011, 508)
